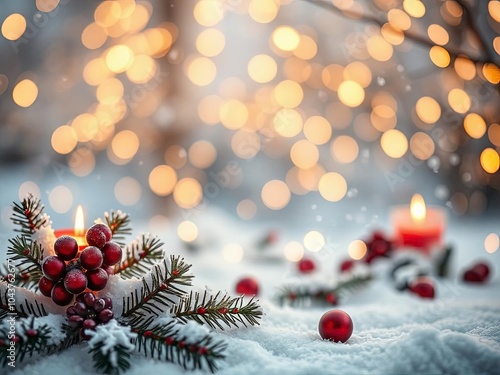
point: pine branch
(28, 255)
(13, 275)
(72, 338)
(140, 256)
(28, 215)
(103, 363)
(214, 310)
(9, 304)
(119, 223)
(160, 290)
(168, 343)
(28, 340)
(306, 295)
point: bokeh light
(332, 186)
(14, 26)
(25, 93)
(490, 160)
(187, 231)
(128, 191)
(188, 193)
(60, 199)
(394, 143)
(246, 209)
(162, 180)
(491, 243)
(357, 249)
(293, 251)
(275, 194)
(314, 241)
(233, 253)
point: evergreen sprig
(28, 256)
(12, 274)
(28, 340)
(28, 215)
(166, 342)
(104, 364)
(160, 290)
(140, 256)
(119, 223)
(214, 310)
(9, 304)
(305, 295)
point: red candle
(78, 233)
(418, 226)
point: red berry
(247, 286)
(331, 298)
(98, 305)
(483, 269)
(473, 276)
(81, 309)
(201, 310)
(346, 265)
(31, 333)
(423, 287)
(75, 281)
(110, 270)
(75, 320)
(97, 279)
(169, 341)
(306, 265)
(60, 295)
(66, 247)
(53, 268)
(96, 235)
(45, 285)
(379, 247)
(91, 258)
(89, 324)
(108, 304)
(70, 311)
(335, 325)
(89, 299)
(112, 253)
(223, 310)
(105, 316)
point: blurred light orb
(492, 73)
(96, 72)
(309, 178)
(82, 162)
(288, 94)
(233, 114)
(202, 154)
(187, 231)
(125, 144)
(494, 134)
(46, 5)
(293, 251)
(142, 69)
(208, 12)
(359, 72)
(414, 8)
(28, 187)
(314, 241)
(428, 110)
(304, 154)
(208, 109)
(128, 191)
(422, 146)
(232, 253)
(275, 194)
(379, 49)
(344, 149)
(287, 122)
(14, 26)
(162, 180)
(245, 145)
(394, 143)
(439, 56)
(459, 100)
(317, 130)
(201, 71)
(109, 91)
(332, 186)
(490, 160)
(491, 243)
(188, 193)
(465, 68)
(119, 58)
(474, 125)
(351, 93)
(25, 93)
(246, 209)
(176, 156)
(262, 68)
(263, 11)
(286, 38)
(94, 36)
(306, 48)
(210, 42)
(64, 139)
(438, 34)
(357, 249)
(61, 199)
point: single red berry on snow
(98, 234)
(66, 247)
(483, 269)
(60, 295)
(247, 286)
(306, 265)
(91, 258)
(346, 265)
(335, 325)
(112, 253)
(53, 268)
(75, 281)
(45, 285)
(423, 287)
(478, 273)
(97, 279)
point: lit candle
(418, 226)
(78, 233)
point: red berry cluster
(478, 273)
(69, 273)
(88, 312)
(377, 246)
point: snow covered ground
(394, 332)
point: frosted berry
(60, 295)
(335, 325)
(306, 265)
(423, 287)
(247, 286)
(112, 253)
(98, 234)
(53, 268)
(45, 285)
(91, 258)
(66, 247)
(75, 281)
(97, 279)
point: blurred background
(292, 114)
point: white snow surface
(394, 332)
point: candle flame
(417, 209)
(79, 222)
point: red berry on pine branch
(306, 265)
(335, 325)
(26, 252)
(331, 298)
(31, 333)
(53, 268)
(91, 258)
(60, 295)
(181, 344)
(203, 351)
(147, 333)
(201, 310)
(97, 279)
(45, 285)
(223, 310)
(423, 287)
(247, 286)
(112, 253)
(98, 234)
(169, 341)
(66, 247)
(75, 281)
(175, 273)
(346, 265)
(235, 311)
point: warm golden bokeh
(64, 139)
(275, 194)
(286, 38)
(187, 231)
(201, 71)
(344, 149)
(263, 11)
(314, 241)
(438, 34)
(304, 154)
(332, 186)
(293, 251)
(246, 209)
(459, 100)
(414, 8)
(25, 93)
(288, 94)
(125, 144)
(474, 125)
(208, 13)
(233, 114)
(394, 143)
(428, 110)
(490, 160)
(46, 5)
(188, 193)
(494, 134)
(422, 146)
(210, 42)
(162, 180)
(14, 26)
(287, 122)
(439, 56)
(202, 154)
(317, 130)
(357, 249)
(262, 68)
(351, 93)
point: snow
(394, 332)
(45, 236)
